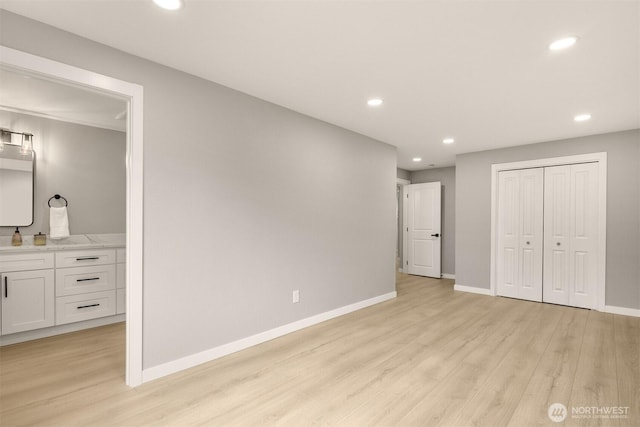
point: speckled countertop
(77, 241)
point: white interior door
(424, 229)
(571, 235)
(520, 234)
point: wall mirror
(16, 186)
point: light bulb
(27, 144)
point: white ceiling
(24, 93)
(476, 71)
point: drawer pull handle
(86, 280)
(87, 258)
(88, 306)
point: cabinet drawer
(26, 261)
(75, 308)
(86, 257)
(121, 255)
(121, 301)
(80, 280)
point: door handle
(6, 287)
(435, 235)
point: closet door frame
(601, 159)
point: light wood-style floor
(430, 357)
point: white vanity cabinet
(27, 291)
(85, 285)
(121, 278)
(60, 288)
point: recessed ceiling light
(374, 102)
(169, 4)
(582, 117)
(417, 159)
(448, 141)
(563, 43)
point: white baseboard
(622, 310)
(634, 312)
(57, 330)
(472, 289)
(448, 276)
(190, 361)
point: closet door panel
(584, 236)
(557, 234)
(571, 232)
(519, 271)
(508, 239)
(531, 234)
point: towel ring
(58, 197)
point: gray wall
(403, 174)
(473, 207)
(447, 176)
(244, 201)
(84, 164)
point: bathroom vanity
(66, 285)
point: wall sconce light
(26, 145)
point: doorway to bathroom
(105, 113)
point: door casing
(132, 94)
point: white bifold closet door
(520, 234)
(548, 234)
(571, 235)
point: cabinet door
(27, 300)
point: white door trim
(601, 158)
(403, 261)
(132, 94)
(405, 231)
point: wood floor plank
(421, 382)
(396, 362)
(552, 380)
(627, 342)
(478, 384)
(430, 356)
(596, 382)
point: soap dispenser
(16, 240)
(39, 239)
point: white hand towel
(58, 223)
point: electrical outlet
(296, 296)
